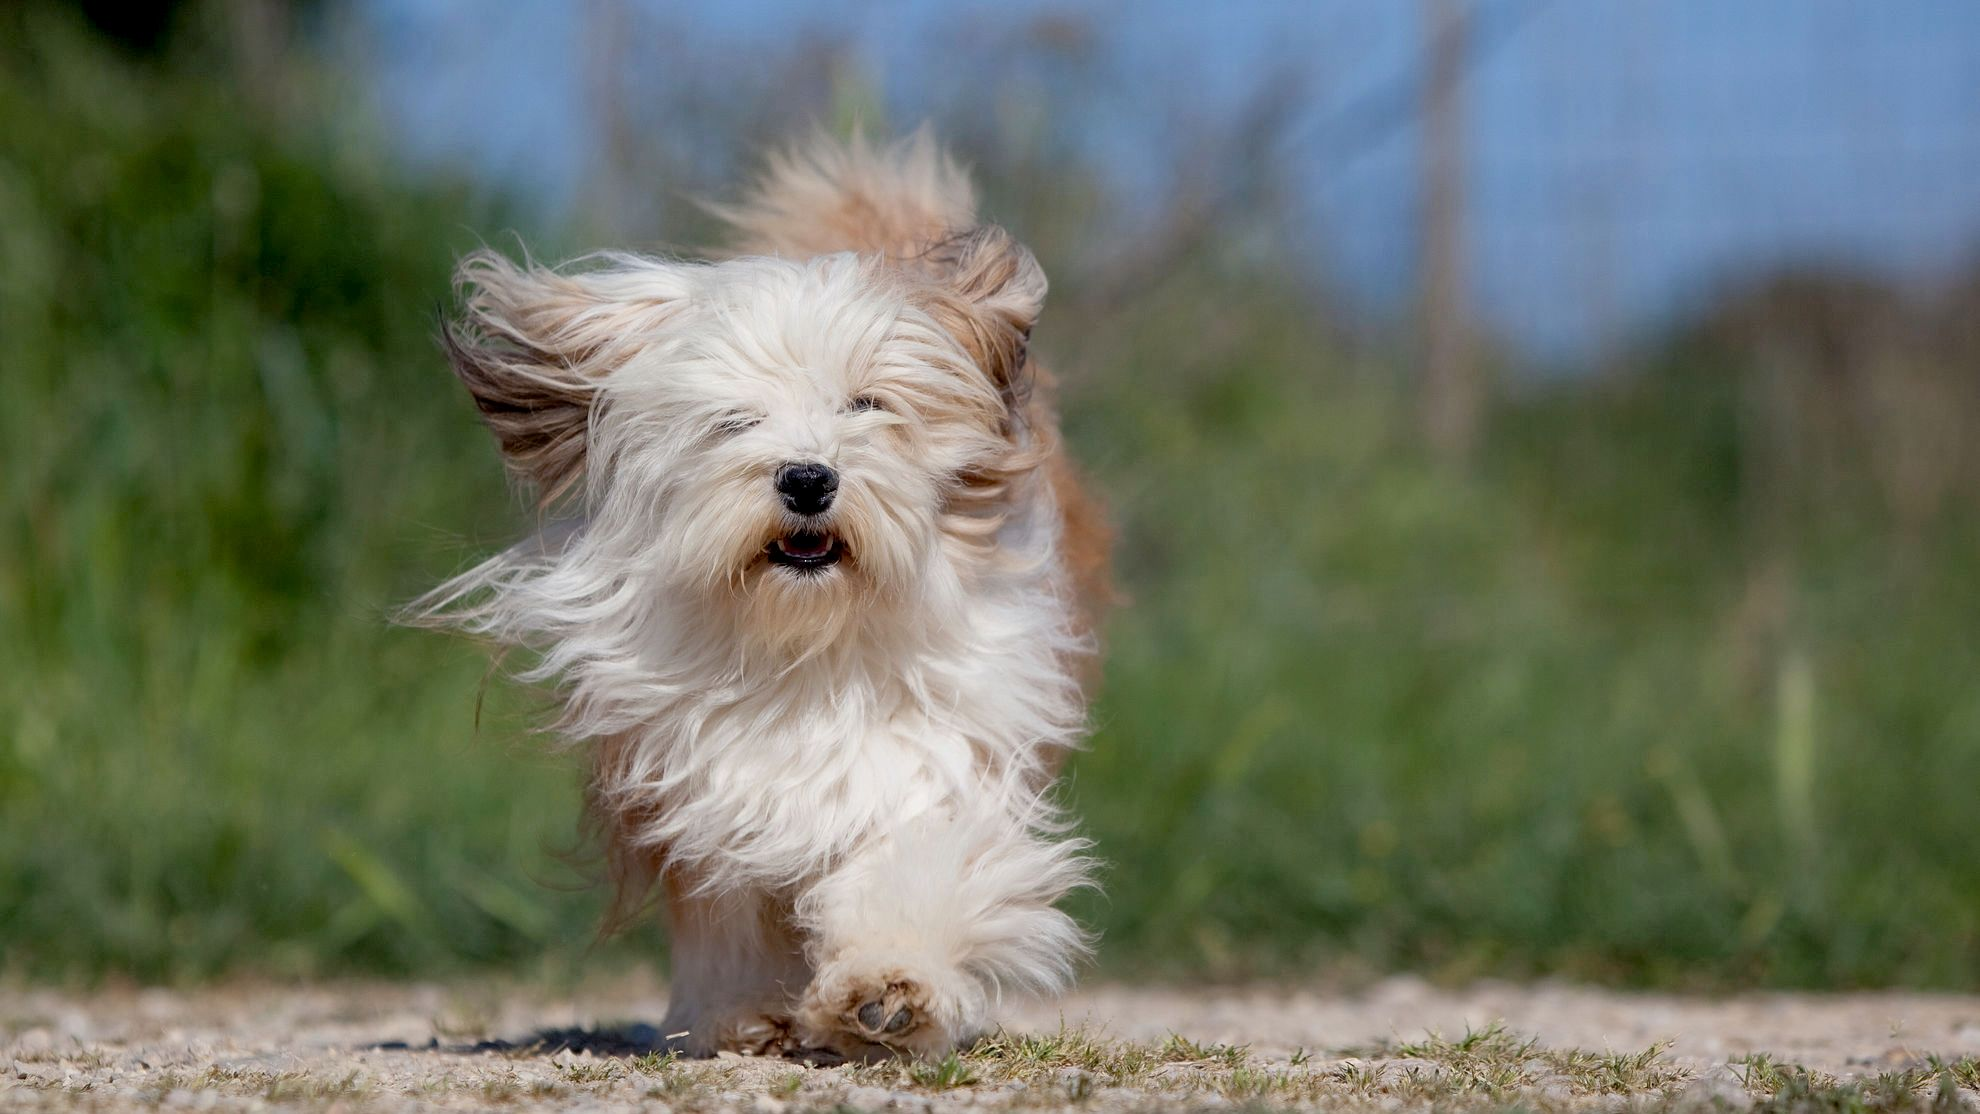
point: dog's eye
(732, 424)
(862, 403)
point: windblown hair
(803, 744)
(819, 197)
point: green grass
(1571, 712)
(229, 452)
(1519, 721)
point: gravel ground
(471, 1046)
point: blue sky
(1626, 158)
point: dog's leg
(737, 965)
(914, 938)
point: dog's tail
(822, 195)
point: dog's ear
(990, 291)
(531, 345)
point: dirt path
(357, 1046)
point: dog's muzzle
(806, 550)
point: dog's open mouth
(806, 551)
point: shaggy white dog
(819, 604)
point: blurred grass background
(1671, 680)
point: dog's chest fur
(771, 775)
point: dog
(818, 590)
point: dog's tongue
(806, 545)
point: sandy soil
(405, 1047)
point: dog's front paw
(867, 1011)
(756, 1034)
(745, 1032)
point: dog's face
(796, 430)
(789, 440)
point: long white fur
(844, 774)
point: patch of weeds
(1031, 1058)
(653, 1063)
(434, 1089)
(676, 1078)
(1361, 1078)
(1932, 1088)
(1414, 1085)
(957, 1069)
(73, 1056)
(1491, 1059)
(1179, 1049)
(584, 1073)
(786, 1085)
(156, 1088)
(1618, 1073)
(1800, 1092)
(274, 1087)
(503, 1090)
(1792, 1089)
(1947, 1099)
(879, 1073)
(1246, 1082)
(1906, 1081)
(1759, 1071)
(1965, 1071)
(1497, 1066)
(949, 1072)
(673, 1076)
(301, 1087)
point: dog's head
(789, 440)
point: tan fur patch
(822, 196)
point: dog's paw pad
(867, 1012)
(870, 1015)
(877, 1023)
(890, 1015)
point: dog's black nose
(807, 488)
